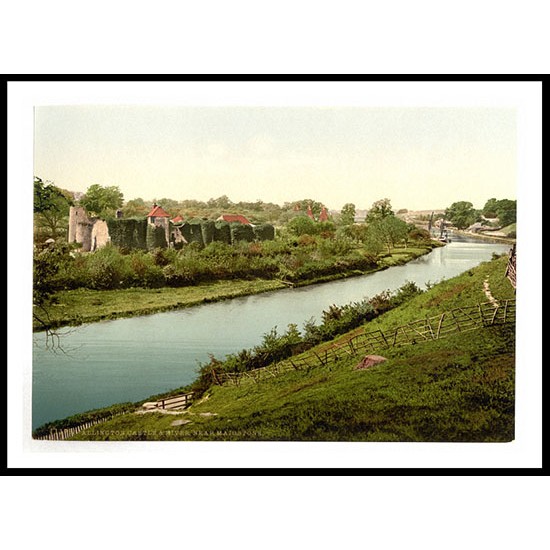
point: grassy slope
(457, 389)
(74, 307)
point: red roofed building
(323, 217)
(157, 212)
(177, 219)
(159, 217)
(230, 218)
(309, 212)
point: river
(131, 359)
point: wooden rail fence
(172, 402)
(168, 403)
(461, 319)
(65, 433)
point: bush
(404, 293)
(107, 269)
(302, 225)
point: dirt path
(487, 291)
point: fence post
(439, 326)
(430, 327)
(455, 320)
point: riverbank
(76, 307)
(463, 387)
(485, 237)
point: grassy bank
(456, 389)
(74, 307)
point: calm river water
(130, 359)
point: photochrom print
(274, 273)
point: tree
(48, 260)
(51, 208)
(506, 212)
(347, 214)
(135, 207)
(102, 201)
(388, 230)
(490, 208)
(302, 225)
(462, 214)
(379, 210)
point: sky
(420, 158)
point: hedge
(128, 233)
(195, 233)
(241, 232)
(222, 232)
(208, 229)
(264, 232)
(156, 237)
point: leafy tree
(506, 212)
(490, 208)
(302, 225)
(135, 207)
(379, 210)
(51, 208)
(222, 202)
(102, 201)
(388, 231)
(462, 214)
(347, 214)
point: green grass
(456, 389)
(74, 307)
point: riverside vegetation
(457, 389)
(74, 287)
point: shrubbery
(276, 347)
(294, 259)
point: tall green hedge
(241, 232)
(156, 237)
(195, 232)
(264, 232)
(222, 232)
(128, 233)
(208, 229)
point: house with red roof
(157, 212)
(231, 218)
(177, 219)
(323, 216)
(160, 218)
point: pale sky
(419, 158)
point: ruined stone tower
(91, 233)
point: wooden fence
(65, 433)
(173, 402)
(461, 319)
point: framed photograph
(315, 274)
